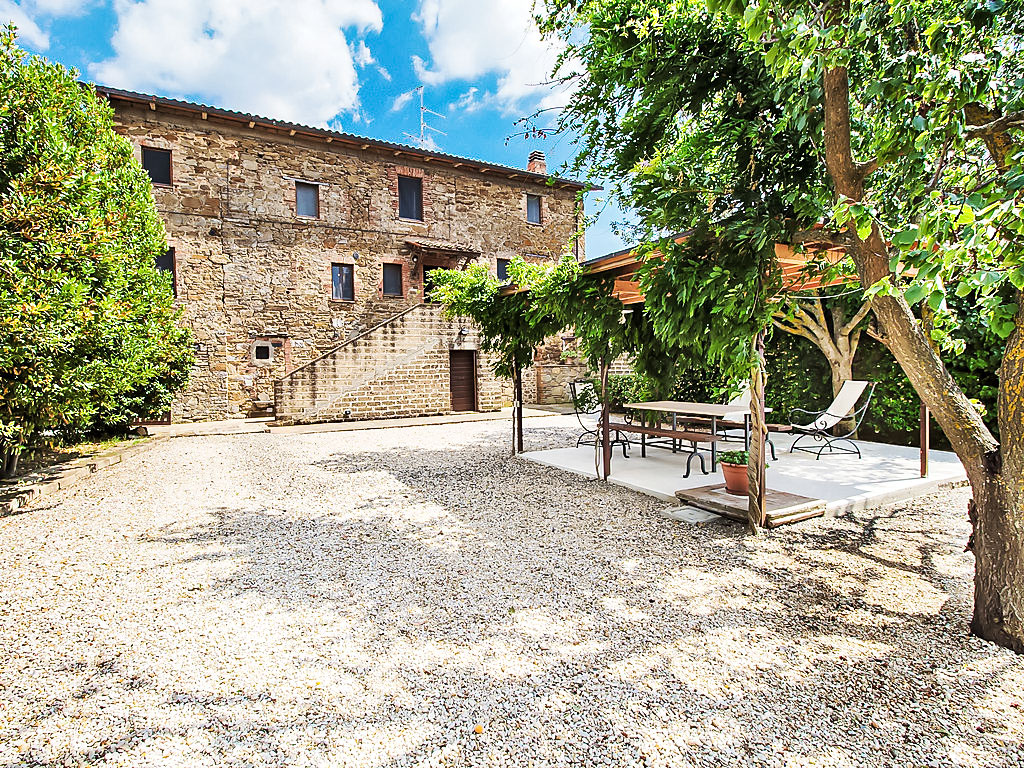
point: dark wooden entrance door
(463, 380)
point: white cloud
(287, 59)
(28, 31)
(402, 99)
(469, 101)
(361, 54)
(469, 39)
(61, 7)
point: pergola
(796, 276)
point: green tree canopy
(895, 126)
(88, 329)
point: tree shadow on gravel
(570, 619)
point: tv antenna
(424, 138)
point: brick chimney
(538, 163)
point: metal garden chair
(843, 406)
(587, 406)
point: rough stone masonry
(256, 270)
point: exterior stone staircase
(397, 368)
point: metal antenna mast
(423, 139)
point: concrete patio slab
(885, 474)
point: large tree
(894, 123)
(88, 328)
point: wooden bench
(724, 424)
(688, 436)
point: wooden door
(462, 367)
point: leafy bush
(88, 329)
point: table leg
(746, 432)
(714, 443)
(643, 437)
(675, 443)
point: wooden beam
(925, 438)
(152, 106)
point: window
(503, 270)
(343, 282)
(157, 163)
(307, 200)
(392, 279)
(410, 198)
(263, 352)
(533, 209)
(165, 263)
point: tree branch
(861, 313)
(999, 125)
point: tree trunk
(842, 370)
(9, 455)
(756, 475)
(996, 477)
(997, 512)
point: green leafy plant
(734, 457)
(89, 335)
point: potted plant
(734, 469)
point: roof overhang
(398, 151)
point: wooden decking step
(781, 507)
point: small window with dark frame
(392, 280)
(263, 352)
(410, 198)
(533, 209)
(343, 282)
(157, 163)
(307, 200)
(165, 263)
(503, 270)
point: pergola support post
(606, 447)
(925, 438)
(756, 476)
(518, 410)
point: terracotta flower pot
(735, 478)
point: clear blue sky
(342, 63)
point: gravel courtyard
(415, 596)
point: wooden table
(712, 411)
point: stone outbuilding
(301, 258)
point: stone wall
(249, 271)
(551, 381)
(399, 368)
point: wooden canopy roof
(623, 266)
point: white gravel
(416, 597)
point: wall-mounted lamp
(463, 332)
(355, 255)
(415, 258)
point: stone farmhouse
(301, 257)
